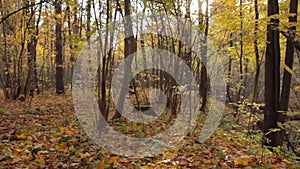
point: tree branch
(20, 9)
(291, 38)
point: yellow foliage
(79, 154)
(62, 129)
(62, 147)
(243, 161)
(100, 165)
(113, 160)
(40, 160)
(168, 154)
(22, 136)
(137, 127)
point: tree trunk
(204, 77)
(287, 77)
(228, 86)
(257, 57)
(272, 77)
(130, 48)
(242, 84)
(59, 76)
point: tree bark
(130, 48)
(287, 77)
(257, 57)
(242, 84)
(59, 76)
(272, 77)
(204, 77)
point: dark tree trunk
(257, 57)
(287, 77)
(272, 77)
(59, 76)
(32, 79)
(242, 82)
(130, 47)
(228, 86)
(204, 77)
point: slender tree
(130, 47)
(59, 76)
(257, 57)
(204, 77)
(272, 76)
(287, 76)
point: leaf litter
(49, 135)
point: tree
(130, 47)
(272, 76)
(204, 77)
(287, 76)
(276, 104)
(31, 82)
(59, 76)
(257, 56)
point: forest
(149, 84)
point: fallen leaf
(40, 160)
(100, 165)
(113, 160)
(168, 154)
(22, 136)
(62, 129)
(243, 161)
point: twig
(291, 146)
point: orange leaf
(113, 160)
(100, 165)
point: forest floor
(47, 134)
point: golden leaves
(22, 136)
(242, 161)
(61, 138)
(113, 160)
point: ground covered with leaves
(45, 133)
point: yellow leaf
(113, 160)
(297, 88)
(62, 147)
(137, 127)
(62, 129)
(71, 148)
(22, 136)
(40, 160)
(101, 165)
(175, 150)
(243, 161)
(58, 16)
(124, 160)
(79, 154)
(168, 154)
